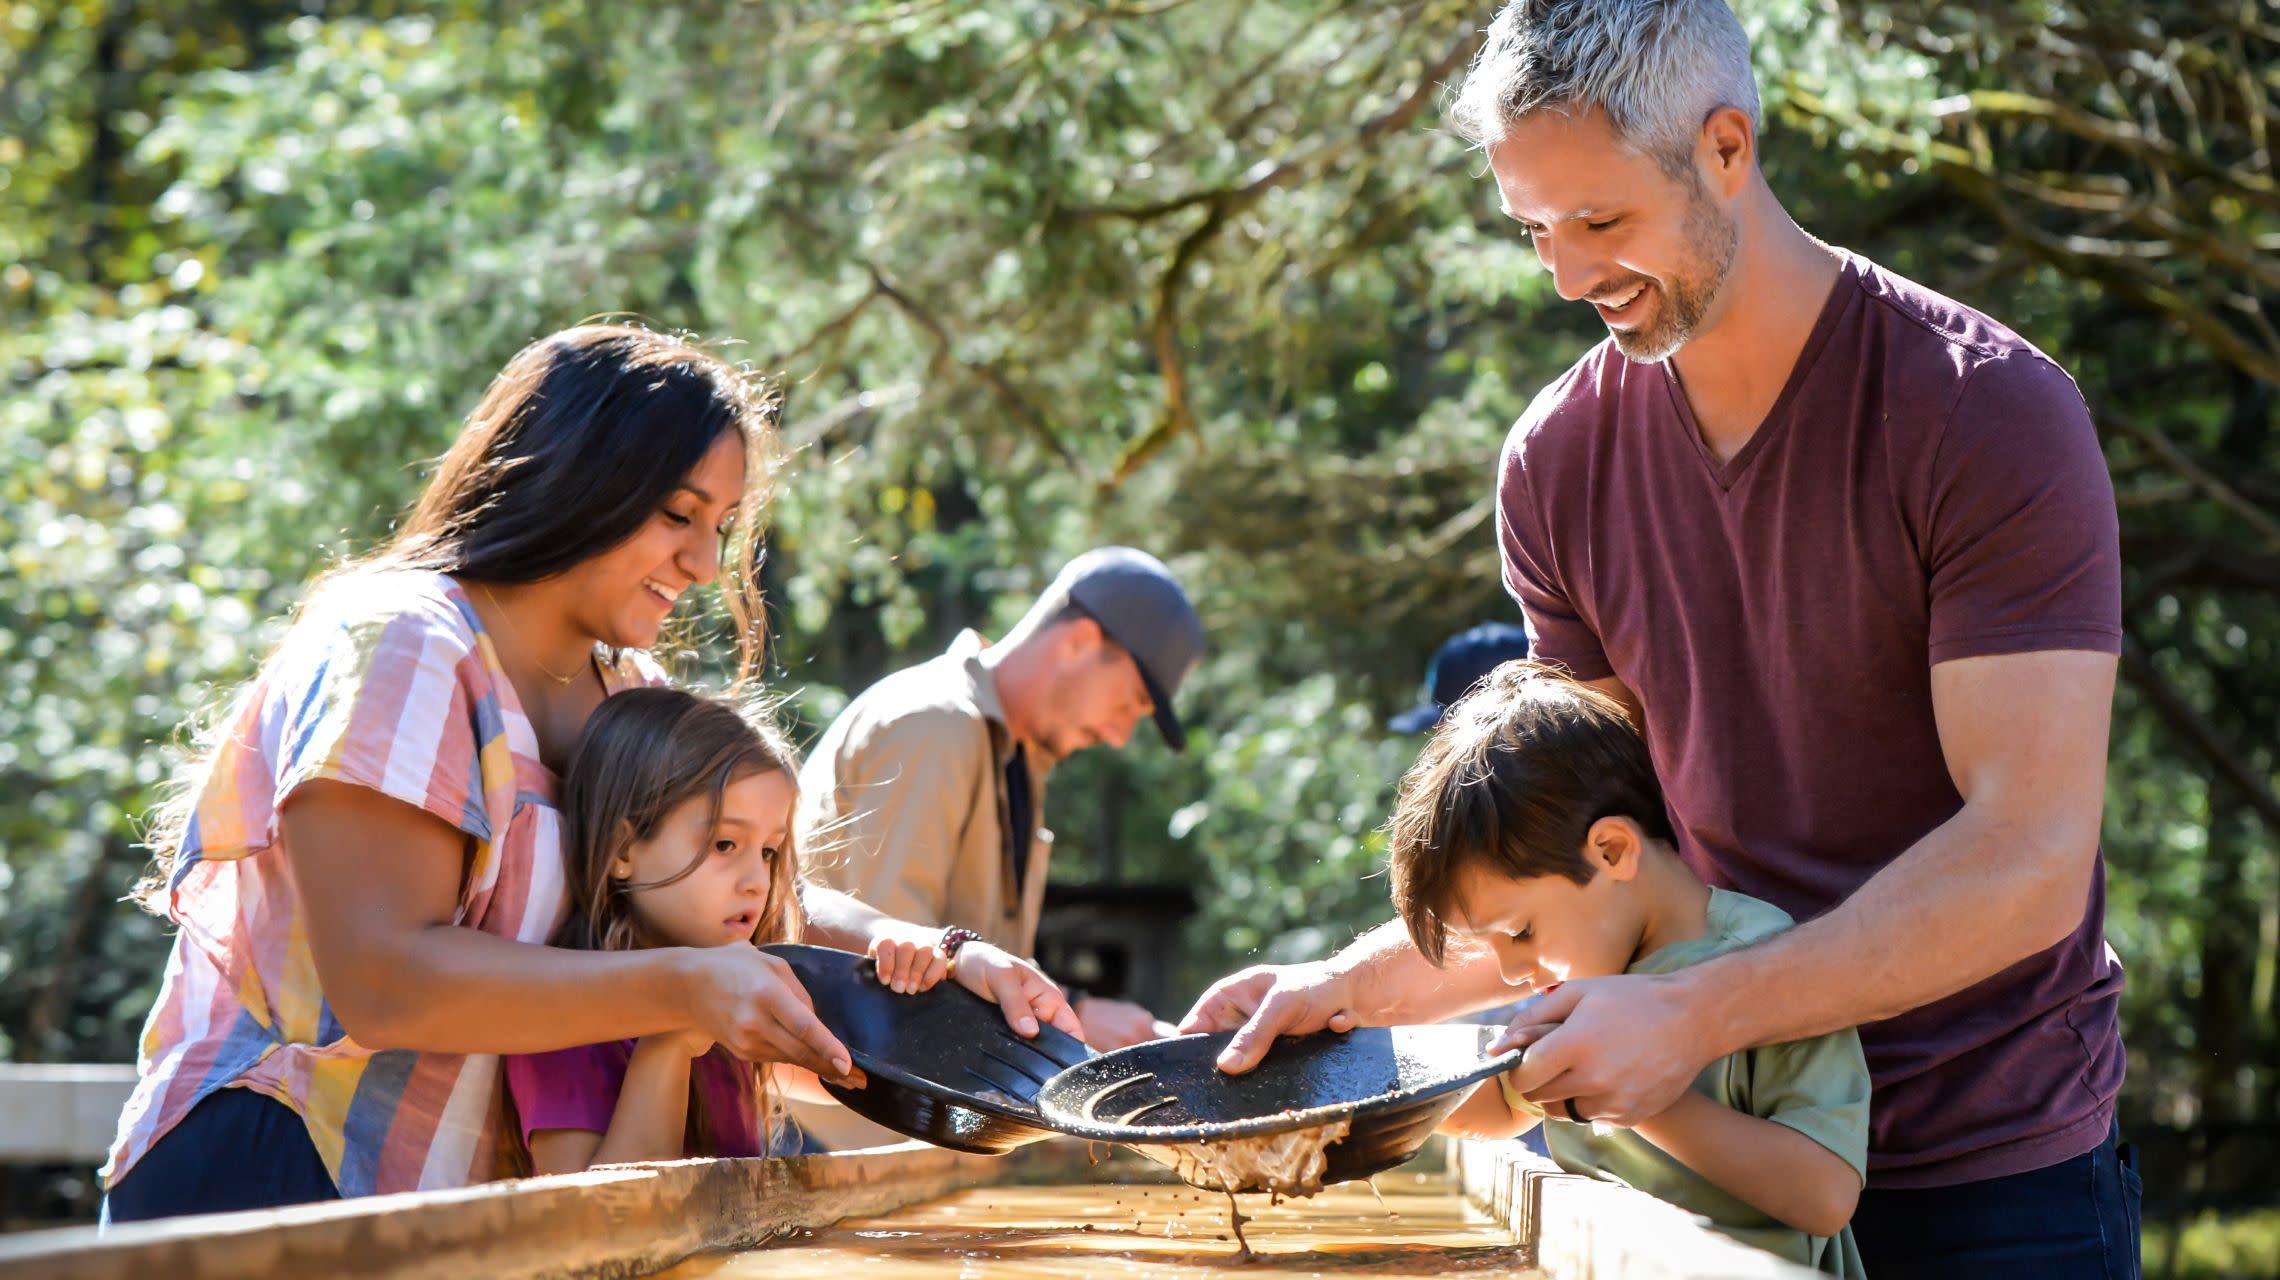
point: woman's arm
(651, 1119)
(1764, 1164)
(379, 880)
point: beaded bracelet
(953, 938)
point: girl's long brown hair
(643, 754)
(578, 442)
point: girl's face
(724, 898)
(622, 596)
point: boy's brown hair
(1514, 777)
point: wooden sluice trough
(1482, 1209)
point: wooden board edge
(623, 1220)
(1578, 1228)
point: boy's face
(1548, 929)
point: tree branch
(945, 349)
(1266, 176)
(2187, 722)
(2174, 456)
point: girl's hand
(1021, 989)
(910, 959)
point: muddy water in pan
(1423, 1228)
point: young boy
(1533, 825)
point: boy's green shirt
(1818, 1087)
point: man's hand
(1624, 1048)
(1270, 1000)
(1114, 1024)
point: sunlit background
(1209, 278)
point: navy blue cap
(1457, 666)
(1140, 605)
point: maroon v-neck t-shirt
(1928, 487)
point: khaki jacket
(902, 802)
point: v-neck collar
(1843, 293)
(522, 735)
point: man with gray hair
(1848, 551)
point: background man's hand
(1270, 1000)
(1624, 1048)
(1114, 1024)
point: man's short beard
(1711, 243)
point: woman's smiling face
(622, 596)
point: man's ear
(1727, 150)
(1615, 845)
(1081, 635)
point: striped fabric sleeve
(391, 701)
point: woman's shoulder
(408, 600)
(409, 638)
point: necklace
(516, 636)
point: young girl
(677, 814)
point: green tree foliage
(1037, 274)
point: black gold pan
(1394, 1085)
(943, 1065)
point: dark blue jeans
(2075, 1219)
(237, 1149)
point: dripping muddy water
(1422, 1228)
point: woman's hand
(1021, 989)
(750, 1001)
(909, 958)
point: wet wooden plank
(633, 1220)
(625, 1220)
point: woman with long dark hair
(364, 861)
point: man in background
(1459, 664)
(926, 796)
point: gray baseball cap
(1140, 605)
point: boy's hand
(1508, 1084)
(1022, 991)
(910, 960)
